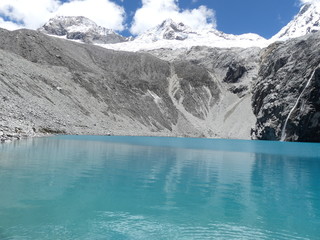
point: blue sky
(264, 17)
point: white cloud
(153, 12)
(8, 25)
(34, 13)
(27, 13)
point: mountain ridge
(174, 35)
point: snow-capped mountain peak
(80, 28)
(305, 22)
(169, 30)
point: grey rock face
(203, 88)
(286, 93)
(81, 28)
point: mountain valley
(171, 81)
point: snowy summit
(82, 29)
(168, 30)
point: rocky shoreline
(8, 134)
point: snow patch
(156, 98)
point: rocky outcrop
(9, 133)
(286, 94)
(168, 30)
(235, 72)
(173, 31)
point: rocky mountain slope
(81, 29)
(58, 86)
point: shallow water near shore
(94, 187)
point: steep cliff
(287, 92)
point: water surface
(86, 187)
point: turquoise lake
(90, 187)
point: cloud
(8, 25)
(34, 13)
(153, 12)
(28, 14)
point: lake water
(86, 187)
